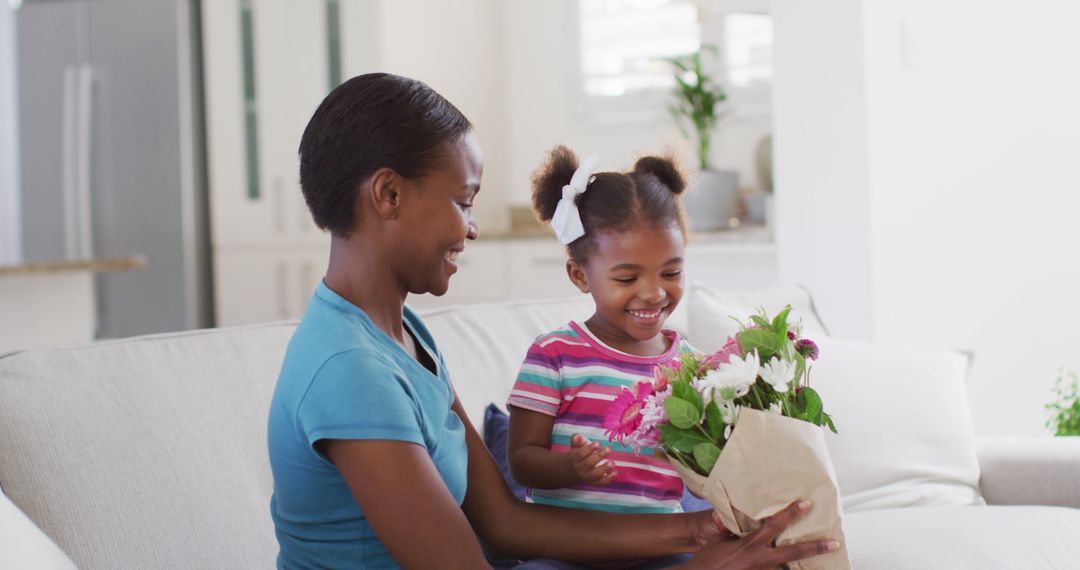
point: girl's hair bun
(664, 169)
(549, 179)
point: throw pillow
(905, 430)
(496, 426)
(710, 321)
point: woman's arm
(418, 521)
(407, 503)
(533, 464)
(513, 529)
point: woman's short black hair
(370, 122)
(614, 201)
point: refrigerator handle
(85, 148)
(70, 153)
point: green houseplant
(1065, 409)
(698, 99)
(697, 111)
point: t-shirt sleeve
(539, 382)
(359, 395)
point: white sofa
(150, 452)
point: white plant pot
(713, 203)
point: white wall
(958, 214)
(10, 246)
(821, 175)
(976, 193)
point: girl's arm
(533, 464)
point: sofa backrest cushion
(906, 436)
(147, 452)
(485, 344)
(710, 312)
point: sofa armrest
(1030, 471)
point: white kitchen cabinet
(266, 75)
(257, 283)
(260, 282)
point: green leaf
(810, 402)
(762, 341)
(829, 422)
(800, 367)
(706, 455)
(684, 390)
(682, 440)
(714, 421)
(781, 319)
(761, 322)
(681, 414)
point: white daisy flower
(730, 380)
(778, 373)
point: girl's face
(636, 279)
(438, 216)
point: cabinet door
(258, 283)
(537, 270)
(265, 73)
(481, 278)
(732, 266)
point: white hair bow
(567, 219)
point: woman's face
(438, 216)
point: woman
(375, 463)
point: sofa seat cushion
(147, 452)
(1000, 537)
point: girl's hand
(590, 461)
(756, 550)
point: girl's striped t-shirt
(573, 376)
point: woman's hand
(722, 550)
(590, 461)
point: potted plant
(1066, 407)
(697, 111)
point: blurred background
(908, 161)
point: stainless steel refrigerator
(112, 153)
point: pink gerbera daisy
(624, 414)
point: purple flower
(807, 348)
(791, 336)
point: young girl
(375, 463)
(625, 235)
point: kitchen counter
(50, 303)
(105, 264)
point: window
(748, 40)
(623, 44)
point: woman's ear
(577, 275)
(385, 194)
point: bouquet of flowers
(743, 428)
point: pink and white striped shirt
(573, 376)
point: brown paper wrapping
(770, 461)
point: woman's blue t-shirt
(343, 378)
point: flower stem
(757, 397)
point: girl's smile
(636, 279)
